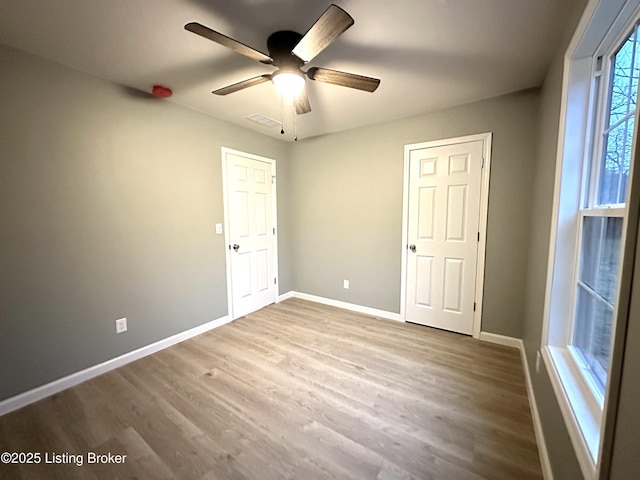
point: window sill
(581, 418)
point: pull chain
(295, 123)
(281, 115)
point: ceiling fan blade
(302, 103)
(242, 85)
(344, 79)
(228, 42)
(331, 24)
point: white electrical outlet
(121, 325)
(345, 284)
(218, 229)
(538, 357)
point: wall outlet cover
(121, 325)
(345, 284)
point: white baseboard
(545, 463)
(284, 296)
(374, 312)
(500, 339)
(26, 398)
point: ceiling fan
(289, 51)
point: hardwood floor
(295, 391)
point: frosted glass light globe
(288, 84)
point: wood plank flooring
(295, 391)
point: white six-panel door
(250, 221)
(442, 235)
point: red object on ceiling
(161, 92)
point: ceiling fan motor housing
(280, 45)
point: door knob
(236, 247)
(412, 248)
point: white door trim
(482, 225)
(224, 152)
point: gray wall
(108, 203)
(347, 188)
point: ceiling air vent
(262, 120)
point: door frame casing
(482, 224)
(274, 210)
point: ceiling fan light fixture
(288, 83)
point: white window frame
(604, 24)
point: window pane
(607, 283)
(623, 95)
(599, 254)
(596, 294)
(616, 162)
(591, 236)
(618, 136)
(592, 336)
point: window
(593, 181)
(601, 219)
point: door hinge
(474, 306)
(478, 236)
(273, 179)
(482, 165)
(274, 230)
(274, 281)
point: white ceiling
(429, 54)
